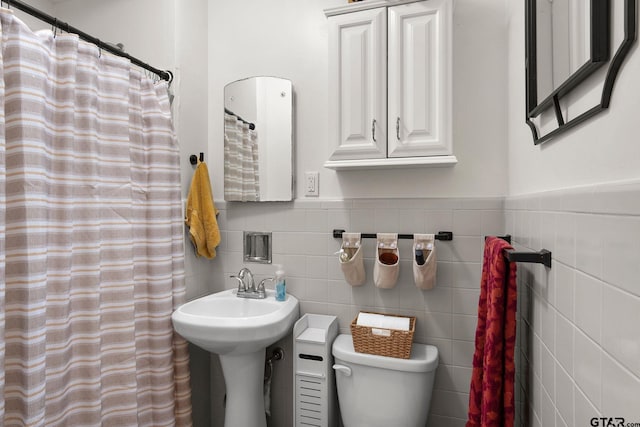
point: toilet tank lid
(424, 358)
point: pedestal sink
(238, 330)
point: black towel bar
(543, 256)
(442, 235)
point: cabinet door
(357, 84)
(419, 83)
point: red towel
(491, 396)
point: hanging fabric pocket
(387, 264)
(351, 259)
(424, 261)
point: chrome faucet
(250, 286)
(247, 286)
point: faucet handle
(261, 284)
(241, 287)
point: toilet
(378, 391)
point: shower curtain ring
(99, 48)
(54, 28)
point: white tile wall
(302, 242)
(579, 334)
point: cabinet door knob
(373, 130)
(398, 128)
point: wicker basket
(383, 342)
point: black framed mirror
(565, 43)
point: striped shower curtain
(91, 239)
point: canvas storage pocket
(387, 264)
(424, 261)
(351, 259)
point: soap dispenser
(281, 286)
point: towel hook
(193, 159)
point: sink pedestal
(244, 379)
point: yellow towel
(201, 214)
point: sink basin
(239, 330)
(225, 324)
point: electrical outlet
(311, 184)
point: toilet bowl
(378, 391)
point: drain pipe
(276, 355)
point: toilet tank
(383, 391)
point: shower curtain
(91, 239)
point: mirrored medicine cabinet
(258, 140)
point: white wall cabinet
(390, 84)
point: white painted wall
(44, 5)
(604, 149)
(289, 39)
(145, 27)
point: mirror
(571, 41)
(550, 56)
(258, 140)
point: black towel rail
(441, 235)
(543, 256)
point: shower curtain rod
(251, 125)
(36, 13)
